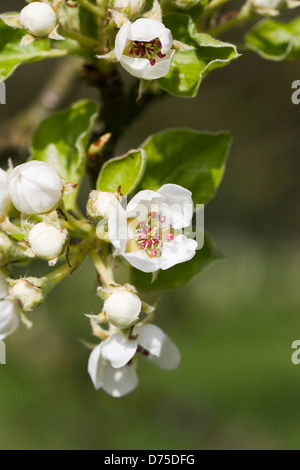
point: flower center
(146, 50)
(151, 234)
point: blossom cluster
(146, 232)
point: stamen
(153, 215)
(152, 62)
(169, 237)
(161, 55)
(153, 253)
(163, 219)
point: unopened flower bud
(38, 18)
(101, 204)
(27, 292)
(122, 308)
(34, 187)
(127, 7)
(4, 196)
(46, 241)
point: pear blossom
(144, 48)
(127, 7)
(9, 317)
(38, 18)
(103, 204)
(47, 241)
(122, 308)
(35, 188)
(112, 365)
(148, 232)
(4, 196)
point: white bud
(127, 7)
(122, 308)
(27, 293)
(35, 188)
(39, 19)
(4, 196)
(104, 204)
(46, 241)
(9, 313)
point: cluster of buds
(271, 7)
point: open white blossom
(115, 382)
(35, 188)
(122, 308)
(9, 318)
(38, 18)
(148, 233)
(46, 241)
(4, 196)
(111, 364)
(144, 48)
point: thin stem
(101, 268)
(83, 40)
(92, 8)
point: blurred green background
(236, 387)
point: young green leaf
(61, 141)
(190, 66)
(180, 274)
(275, 41)
(126, 171)
(192, 159)
(12, 54)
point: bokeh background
(235, 323)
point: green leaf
(192, 159)
(12, 54)
(275, 41)
(61, 140)
(180, 274)
(126, 171)
(189, 67)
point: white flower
(146, 233)
(122, 308)
(39, 19)
(47, 241)
(127, 7)
(4, 196)
(111, 364)
(9, 318)
(115, 382)
(35, 188)
(143, 48)
(104, 204)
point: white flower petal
(121, 40)
(96, 367)
(135, 66)
(145, 29)
(163, 352)
(178, 206)
(177, 251)
(118, 350)
(141, 261)
(117, 228)
(145, 198)
(166, 40)
(120, 382)
(9, 319)
(161, 68)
